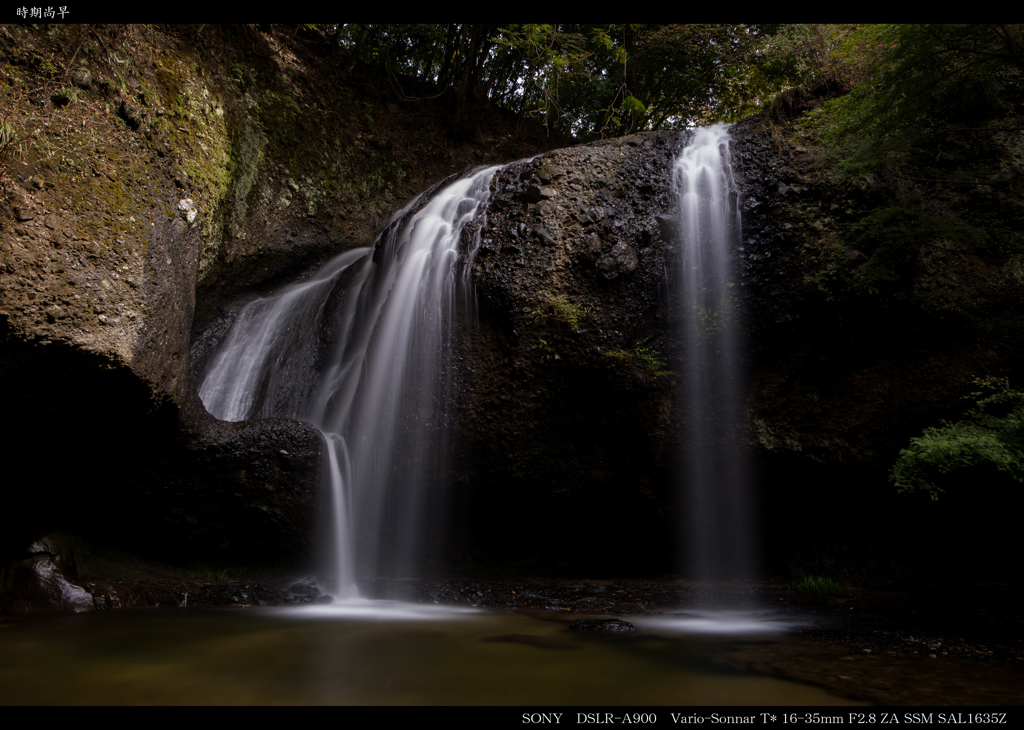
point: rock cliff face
(161, 175)
(98, 286)
(569, 421)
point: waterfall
(361, 350)
(718, 499)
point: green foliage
(632, 105)
(222, 575)
(592, 80)
(563, 310)
(48, 68)
(795, 55)
(921, 85)
(992, 432)
(910, 248)
(8, 139)
(818, 585)
(896, 238)
(558, 59)
(64, 96)
(930, 128)
(243, 75)
(642, 360)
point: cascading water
(361, 350)
(718, 497)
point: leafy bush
(992, 432)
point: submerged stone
(603, 625)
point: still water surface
(369, 653)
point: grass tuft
(818, 585)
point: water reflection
(381, 610)
(369, 652)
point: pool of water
(379, 653)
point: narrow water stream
(718, 492)
(362, 350)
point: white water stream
(361, 350)
(719, 525)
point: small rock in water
(603, 625)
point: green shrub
(992, 432)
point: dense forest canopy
(594, 81)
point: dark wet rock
(57, 574)
(621, 259)
(536, 193)
(545, 411)
(43, 583)
(668, 225)
(65, 574)
(131, 114)
(115, 323)
(544, 237)
(603, 626)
